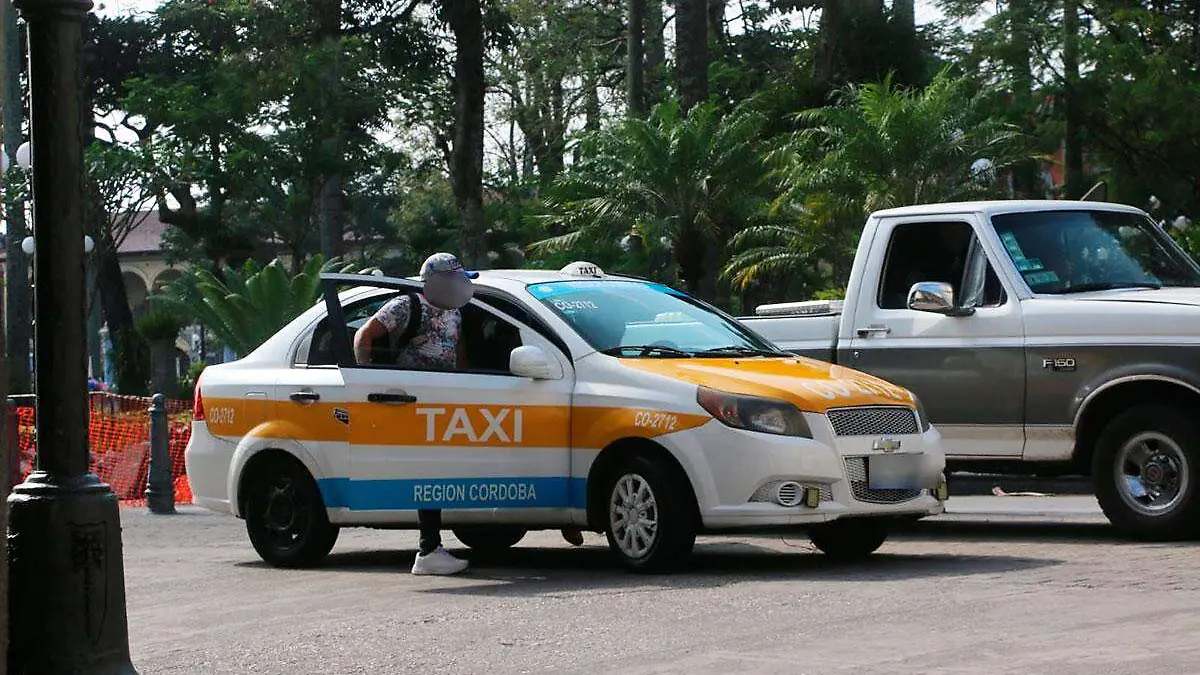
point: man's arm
(365, 336)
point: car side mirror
(532, 362)
(935, 297)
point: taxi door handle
(380, 397)
(304, 396)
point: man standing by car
(434, 342)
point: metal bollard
(160, 491)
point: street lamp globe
(25, 155)
(27, 245)
(88, 244)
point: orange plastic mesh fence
(119, 439)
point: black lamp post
(67, 597)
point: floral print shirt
(435, 343)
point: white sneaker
(438, 562)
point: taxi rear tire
(847, 539)
(490, 540)
(652, 491)
(285, 515)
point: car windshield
(645, 319)
(1078, 251)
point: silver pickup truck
(1043, 337)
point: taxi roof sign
(581, 268)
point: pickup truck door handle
(875, 328)
(389, 397)
(304, 396)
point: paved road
(1001, 585)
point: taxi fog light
(942, 491)
(812, 497)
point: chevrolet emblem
(885, 445)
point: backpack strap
(415, 314)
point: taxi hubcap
(1152, 473)
(284, 512)
(633, 514)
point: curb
(977, 484)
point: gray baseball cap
(441, 263)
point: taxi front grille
(873, 421)
(856, 474)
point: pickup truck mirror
(936, 297)
(532, 362)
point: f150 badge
(1059, 364)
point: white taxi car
(596, 401)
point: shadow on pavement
(539, 571)
(1019, 531)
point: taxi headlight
(753, 413)
(922, 417)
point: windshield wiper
(738, 349)
(645, 350)
(1108, 286)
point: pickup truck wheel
(286, 518)
(849, 539)
(1144, 471)
(648, 520)
(490, 540)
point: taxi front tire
(285, 515)
(848, 539)
(489, 540)
(649, 521)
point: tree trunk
(691, 51)
(16, 263)
(1073, 174)
(847, 42)
(162, 368)
(466, 22)
(117, 314)
(656, 53)
(329, 206)
(716, 24)
(635, 64)
(1025, 173)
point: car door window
(487, 338)
(948, 252)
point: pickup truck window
(936, 251)
(1091, 250)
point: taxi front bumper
(746, 480)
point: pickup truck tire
(848, 539)
(648, 515)
(285, 516)
(490, 540)
(1145, 473)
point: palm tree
(689, 180)
(879, 147)
(245, 307)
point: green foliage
(686, 180)
(160, 326)
(879, 147)
(243, 307)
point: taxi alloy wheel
(286, 517)
(648, 521)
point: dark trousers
(430, 523)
